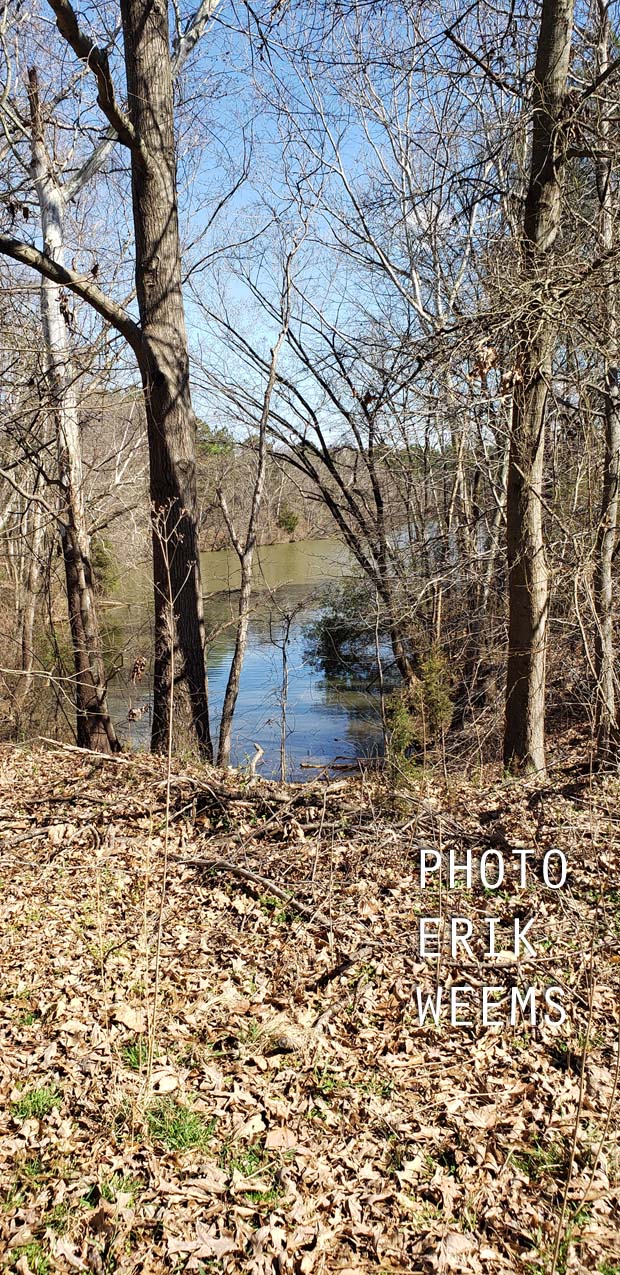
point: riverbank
(299, 1117)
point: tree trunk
(286, 635)
(402, 659)
(29, 605)
(606, 717)
(95, 729)
(171, 425)
(528, 587)
(234, 676)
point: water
(325, 722)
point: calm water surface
(325, 721)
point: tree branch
(230, 526)
(98, 62)
(195, 27)
(72, 186)
(30, 496)
(82, 287)
(600, 79)
(484, 66)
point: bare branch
(196, 25)
(91, 166)
(98, 62)
(484, 66)
(230, 526)
(601, 79)
(114, 314)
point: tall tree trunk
(606, 720)
(171, 425)
(95, 729)
(528, 586)
(472, 688)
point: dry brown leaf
(280, 1139)
(131, 1016)
(63, 1248)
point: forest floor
(298, 1118)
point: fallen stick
(246, 874)
(88, 752)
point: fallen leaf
(280, 1139)
(130, 1016)
(63, 1248)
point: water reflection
(325, 721)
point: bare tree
(524, 734)
(245, 548)
(95, 729)
(159, 341)
(372, 408)
(607, 538)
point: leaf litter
(299, 1119)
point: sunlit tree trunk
(164, 364)
(95, 729)
(528, 586)
(34, 532)
(607, 538)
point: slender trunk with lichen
(34, 534)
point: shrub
(434, 704)
(288, 520)
(104, 565)
(341, 642)
(213, 442)
(418, 715)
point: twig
(117, 758)
(319, 984)
(246, 874)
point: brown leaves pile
(299, 1120)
